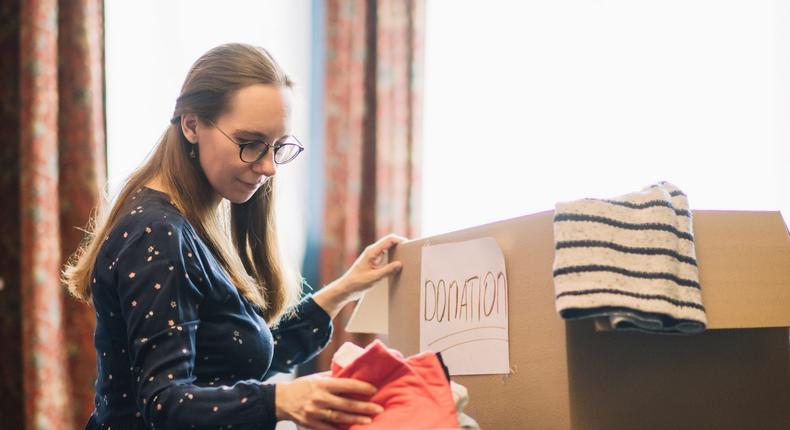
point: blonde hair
(241, 236)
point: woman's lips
(249, 185)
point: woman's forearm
(332, 298)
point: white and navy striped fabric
(630, 259)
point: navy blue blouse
(177, 345)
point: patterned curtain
(53, 106)
(372, 152)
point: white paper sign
(463, 306)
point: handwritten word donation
(463, 306)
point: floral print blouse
(178, 346)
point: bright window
(529, 103)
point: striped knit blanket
(630, 259)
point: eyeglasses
(285, 150)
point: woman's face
(257, 112)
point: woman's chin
(240, 192)
(239, 199)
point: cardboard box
(570, 376)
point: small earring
(192, 152)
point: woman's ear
(189, 127)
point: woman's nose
(265, 166)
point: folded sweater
(630, 259)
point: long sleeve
(161, 291)
(300, 335)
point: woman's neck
(156, 184)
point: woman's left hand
(368, 268)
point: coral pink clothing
(414, 392)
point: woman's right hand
(318, 402)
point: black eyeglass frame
(275, 146)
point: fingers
(350, 406)
(349, 386)
(385, 243)
(330, 406)
(345, 418)
(375, 252)
(389, 269)
(348, 411)
(374, 275)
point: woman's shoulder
(147, 206)
(146, 210)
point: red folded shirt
(414, 391)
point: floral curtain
(53, 171)
(372, 151)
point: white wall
(532, 102)
(150, 46)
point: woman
(185, 275)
